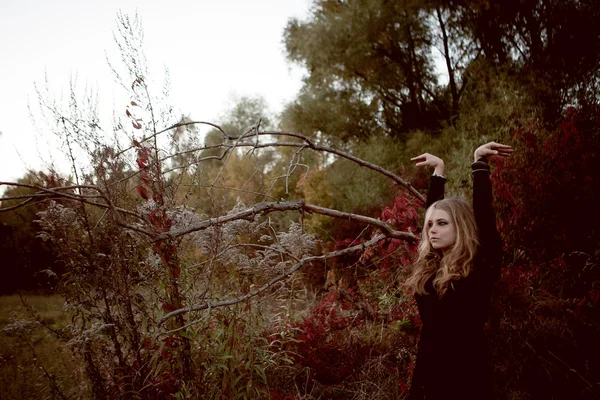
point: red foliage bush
(324, 346)
(333, 337)
(545, 312)
(549, 184)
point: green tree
(371, 64)
(367, 59)
(224, 174)
(553, 46)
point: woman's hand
(429, 160)
(493, 149)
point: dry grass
(36, 366)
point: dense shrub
(365, 328)
(545, 312)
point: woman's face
(442, 232)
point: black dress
(452, 359)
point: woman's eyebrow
(431, 221)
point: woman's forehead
(438, 214)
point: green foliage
(371, 91)
(237, 358)
(246, 112)
(370, 70)
(34, 363)
(345, 113)
(370, 64)
(491, 108)
(366, 189)
(552, 46)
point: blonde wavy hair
(453, 264)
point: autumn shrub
(365, 328)
(33, 364)
(235, 357)
(545, 313)
(343, 343)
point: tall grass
(35, 364)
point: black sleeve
(436, 190)
(490, 246)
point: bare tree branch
(269, 207)
(306, 142)
(269, 284)
(56, 192)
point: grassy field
(33, 363)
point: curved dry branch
(306, 142)
(398, 180)
(174, 126)
(269, 284)
(269, 207)
(16, 206)
(57, 192)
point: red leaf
(143, 154)
(136, 125)
(138, 81)
(133, 103)
(142, 192)
(136, 143)
(127, 113)
(144, 177)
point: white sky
(214, 49)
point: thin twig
(269, 207)
(307, 142)
(269, 284)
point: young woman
(458, 263)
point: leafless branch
(305, 142)
(57, 192)
(269, 207)
(269, 284)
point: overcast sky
(214, 50)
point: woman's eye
(442, 223)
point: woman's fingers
(493, 149)
(429, 160)
(419, 158)
(502, 150)
(500, 146)
(423, 159)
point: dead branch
(306, 142)
(269, 284)
(57, 192)
(269, 207)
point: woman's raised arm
(436, 185)
(489, 239)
